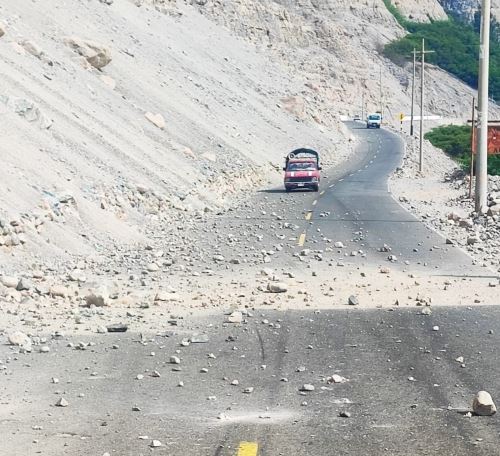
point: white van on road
(374, 120)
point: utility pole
(482, 111)
(362, 104)
(422, 82)
(473, 141)
(381, 108)
(422, 87)
(413, 89)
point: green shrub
(455, 140)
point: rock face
(421, 10)
(483, 404)
(95, 54)
(2, 29)
(468, 9)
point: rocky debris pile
(12, 232)
(449, 210)
(164, 6)
(479, 235)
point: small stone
(353, 300)
(155, 444)
(435, 328)
(235, 317)
(344, 414)
(119, 327)
(199, 339)
(336, 379)
(307, 387)
(248, 390)
(175, 360)
(156, 119)
(153, 267)
(277, 287)
(62, 402)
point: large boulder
(20, 339)
(97, 297)
(95, 54)
(9, 282)
(483, 404)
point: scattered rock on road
(62, 402)
(353, 300)
(335, 378)
(277, 287)
(235, 317)
(307, 387)
(483, 404)
(20, 339)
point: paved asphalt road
(363, 211)
(354, 206)
(406, 393)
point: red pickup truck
(302, 170)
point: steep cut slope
(83, 170)
(338, 44)
(421, 10)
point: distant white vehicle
(356, 117)
(374, 120)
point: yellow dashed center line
(322, 193)
(248, 449)
(302, 239)
(309, 215)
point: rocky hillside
(467, 9)
(122, 118)
(424, 10)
